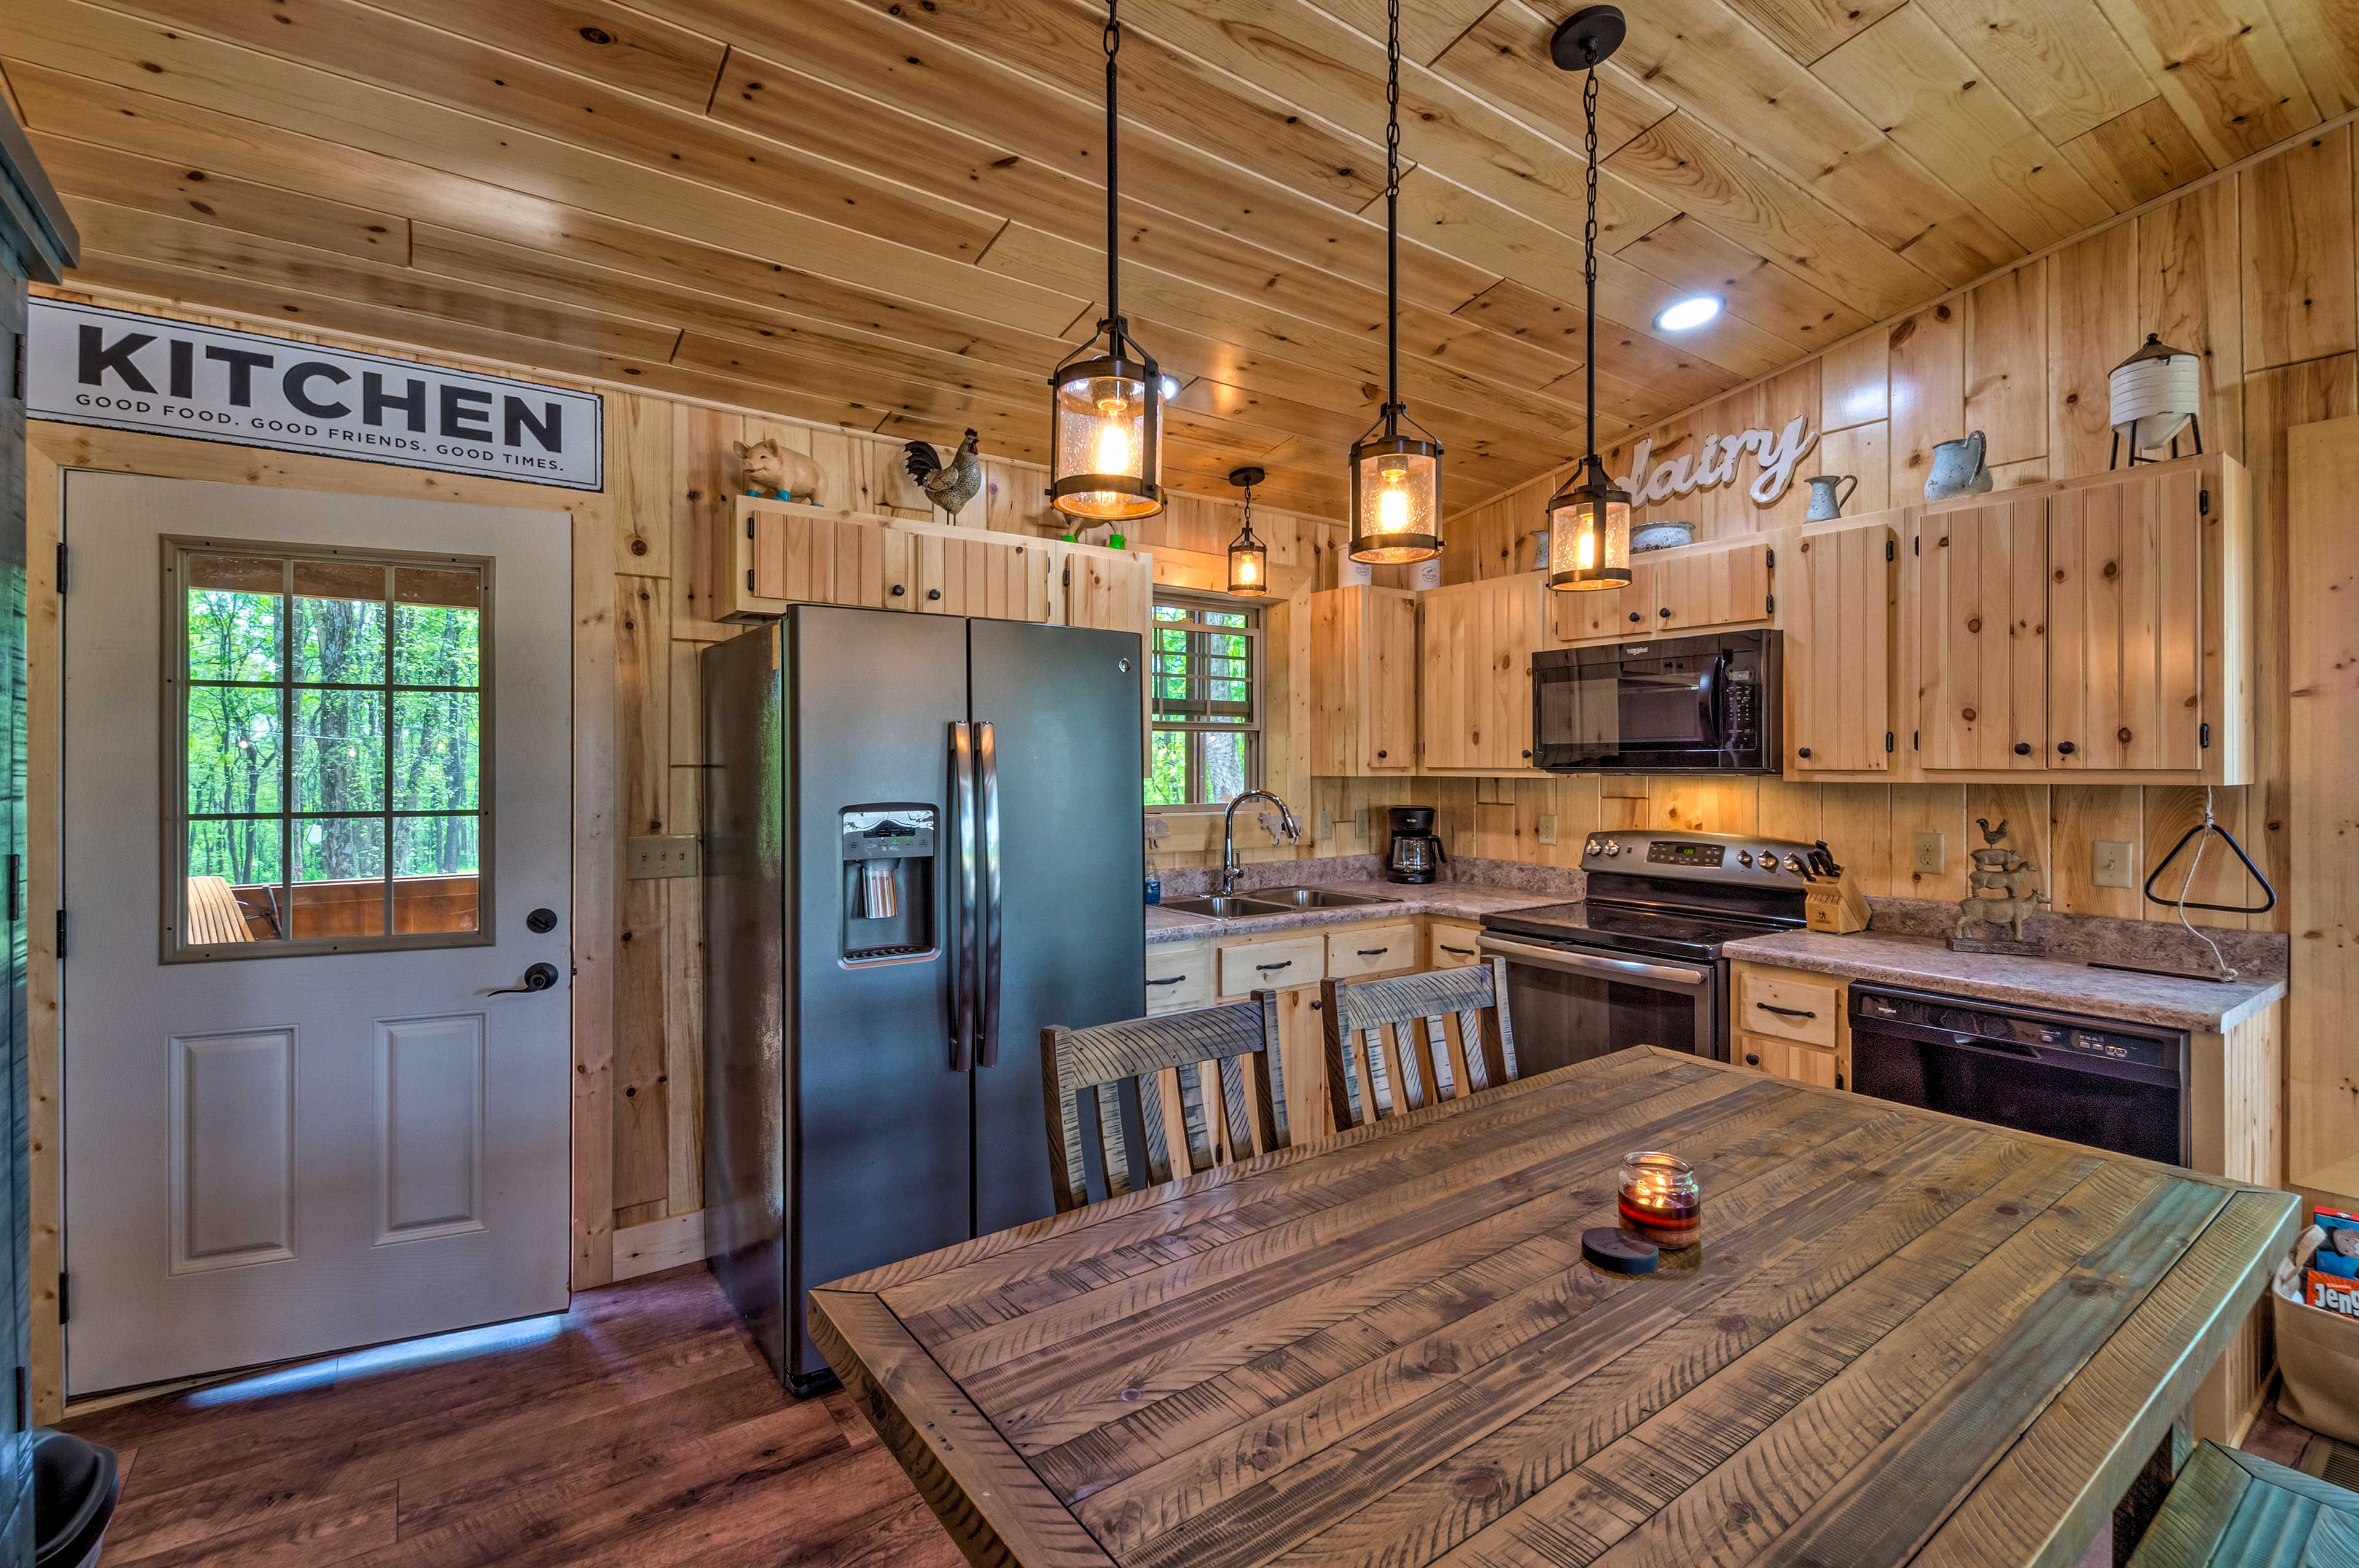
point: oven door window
(1568, 1011)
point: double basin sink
(1273, 901)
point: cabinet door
(1711, 588)
(1302, 1051)
(1364, 682)
(1837, 614)
(1980, 573)
(2126, 625)
(980, 577)
(1117, 593)
(1478, 641)
(1596, 614)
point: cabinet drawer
(1251, 966)
(1371, 951)
(1797, 1010)
(1178, 976)
(1451, 947)
(1785, 1059)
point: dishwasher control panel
(1996, 1030)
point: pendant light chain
(1392, 213)
(1589, 246)
(1114, 176)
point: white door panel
(269, 1157)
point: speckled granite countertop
(1463, 900)
(1925, 964)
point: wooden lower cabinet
(1179, 977)
(1452, 944)
(1789, 1023)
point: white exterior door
(317, 787)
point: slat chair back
(1137, 1054)
(1388, 1039)
(214, 915)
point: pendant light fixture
(1588, 520)
(1396, 479)
(1248, 556)
(1106, 440)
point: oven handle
(1589, 963)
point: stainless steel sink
(1225, 908)
(1315, 898)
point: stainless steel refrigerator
(922, 845)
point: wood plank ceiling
(887, 213)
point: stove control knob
(1769, 865)
(1613, 847)
(1593, 848)
(1744, 857)
(1794, 864)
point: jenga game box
(2332, 1282)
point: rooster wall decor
(947, 485)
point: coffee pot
(1417, 855)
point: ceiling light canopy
(1689, 314)
(1396, 476)
(1588, 520)
(1105, 406)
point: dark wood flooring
(639, 1428)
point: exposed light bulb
(1110, 453)
(1585, 548)
(1392, 509)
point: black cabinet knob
(1635, 616)
(933, 593)
(1665, 612)
(1801, 750)
(1750, 1060)
(899, 590)
(1382, 755)
(2023, 748)
(1528, 756)
(2066, 747)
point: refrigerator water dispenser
(888, 882)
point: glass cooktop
(1667, 934)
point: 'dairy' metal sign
(85, 365)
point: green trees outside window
(1207, 686)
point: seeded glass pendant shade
(1106, 438)
(1248, 556)
(1588, 520)
(1396, 476)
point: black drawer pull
(933, 593)
(1282, 964)
(1750, 1060)
(1462, 952)
(1172, 981)
(2023, 748)
(1785, 1011)
(899, 590)
(1372, 952)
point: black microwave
(1669, 705)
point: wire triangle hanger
(2210, 825)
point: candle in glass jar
(1659, 1200)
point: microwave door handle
(1715, 700)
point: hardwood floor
(639, 1428)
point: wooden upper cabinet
(1477, 640)
(1838, 602)
(1363, 682)
(1689, 588)
(1597, 615)
(2125, 625)
(1115, 592)
(1980, 577)
(995, 578)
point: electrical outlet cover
(1360, 825)
(1548, 830)
(1931, 854)
(1326, 827)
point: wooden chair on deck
(1137, 1053)
(1378, 1029)
(215, 914)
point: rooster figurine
(947, 485)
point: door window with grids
(327, 755)
(1207, 704)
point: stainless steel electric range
(1637, 962)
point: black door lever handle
(539, 978)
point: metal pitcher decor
(1828, 493)
(2003, 891)
(2155, 393)
(1958, 469)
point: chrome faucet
(1230, 868)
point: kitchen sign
(1774, 452)
(85, 365)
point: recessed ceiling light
(1689, 314)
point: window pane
(232, 894)
(338, 623)
(234, 741)
(434, 864)
(243, 854)
(1166, 781)
(233, 609)
(339, 750)
(436, 628)
(339, 876)
(1224, 766)
(436, 749)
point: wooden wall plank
(2093, 325)
(2300, 297)
(2142, 153)
(1929, 393)
(2191, 295)
(2006, 359)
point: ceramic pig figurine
(769, 470)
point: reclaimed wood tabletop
(1906, 1338)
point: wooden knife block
(1837, 907)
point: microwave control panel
(1744, 710)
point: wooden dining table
(1905, 1338)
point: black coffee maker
(1416, 854)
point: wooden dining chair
(1378, 1029)
(1135, 1055)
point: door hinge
(24, 1399)
(15, 897)
(2203, 502)
(1915, 546)
(61, 934)
(2202, 738)
(65, 1298)
(17, 374)
(1914, 743)
(1772, 605)
(1887, 742)
(749, 579)
(61, 569)
(749, 524)
(1770, 558)
(1891, 551)
(1069, 574)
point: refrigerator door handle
(986, 754)
(962, 899)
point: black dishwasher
(2113, 1085)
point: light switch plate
(1326, 827)
(668, 855)
(2109, 864)
(1360, 825)
(1931, 854)
(1548, 830)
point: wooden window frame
(1255, 729)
